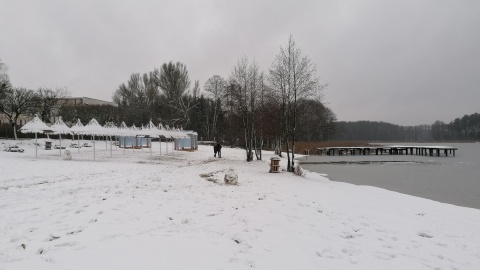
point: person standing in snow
(219, 150)
(215, 150)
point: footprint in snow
(328, 253)
(386, 256)
(53, 238)
(74, 232)
(425, 234)
(66, 244)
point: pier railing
(388, 150)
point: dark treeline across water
(465, 128)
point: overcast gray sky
(405, 61)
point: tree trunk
(278, 146)
(15, 131)
(293, 152)
(289, 167)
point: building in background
(83, 101)
(6, 129)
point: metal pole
(94, 147)
(36, 145)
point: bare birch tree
(294, 77)
(246, 84)
(188, 103)
(215, 86)
(196, 89)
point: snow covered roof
(94, 128)
(35, 126)
(151, 130)
(110, 129)
(78, 127)
(60, 127)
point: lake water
(454, 180)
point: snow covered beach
(136, 211)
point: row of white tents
(93, 128)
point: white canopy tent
(77, 129)
(94, 128)
(60, 128)
(35, 126)
(151, 131)
(110, 131)
(122, 130)
(133, 131)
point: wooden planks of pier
(389, 150)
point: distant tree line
(380, 131)
(465, 128)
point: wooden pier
(388, 150)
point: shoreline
(452, 180)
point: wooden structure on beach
(388, 150)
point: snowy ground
(140, 211)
